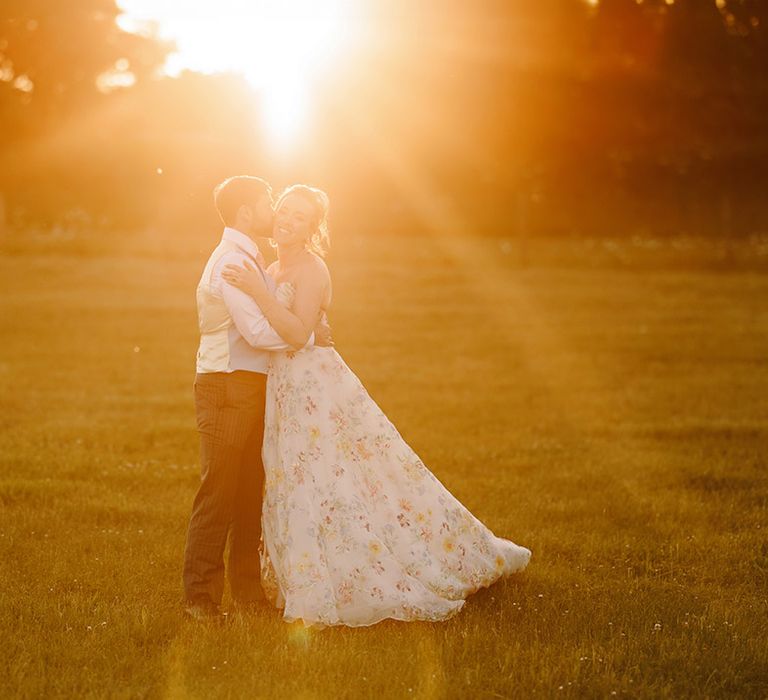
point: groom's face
(261, 217)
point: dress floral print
(355, 528)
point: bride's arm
(294, 325)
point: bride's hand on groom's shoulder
(248, 279)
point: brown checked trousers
(230, 420)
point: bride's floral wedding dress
(355, 528)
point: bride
(355, 528)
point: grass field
(608, 412)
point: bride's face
(294, 221)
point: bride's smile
(294, 221)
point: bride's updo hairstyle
(320, 240)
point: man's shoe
(203, 611)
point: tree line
(560, 116)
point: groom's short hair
(230, 195)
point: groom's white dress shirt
(234, 333)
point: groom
(230, 386)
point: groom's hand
(323, 337)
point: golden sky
(279, 46)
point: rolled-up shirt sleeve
(246, 314)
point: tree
(54, 58)
(52, 54)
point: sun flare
(279, 46)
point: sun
(280, 46)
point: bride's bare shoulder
(317, 268)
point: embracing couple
(330, 515)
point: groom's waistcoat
(222, 348)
